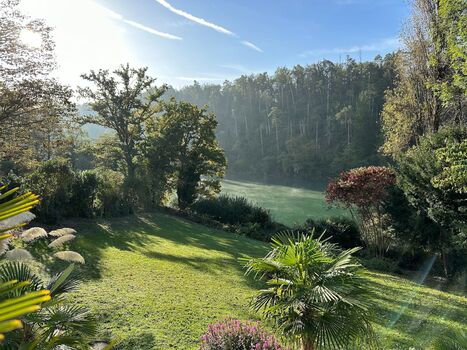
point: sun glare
(30, 38)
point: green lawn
(288, 205)
(156, 282)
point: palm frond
(70, 256)
(18, 254)
(60, 241)
(33, 233)
(17, 271)
(62, 232)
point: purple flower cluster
(231, 334)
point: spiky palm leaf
(18, 254)
(70, 256)
(62, 232)
(18, 271)
(60, 241)
(11, 206)
(317, 295)
(13, 307)
(64, 282)
(33, 233)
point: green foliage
(306, 122)
(57, 322)
(340, 230)
(197, 279)
(53, 181)
(419, 172)
(430, 89)
(84, 191)
(232, 211)
(453, 159)
(183, 142)
(317, 296)
(123, 101)
(451, 40)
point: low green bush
(340, 230)
(233, 211)
(381, 264)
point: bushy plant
(83, 194)
(231, 334)
(316, 295)
(232, 211)
(53, 181)
(363, 191)
(340, 230)
(110, 198)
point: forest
(304, 124)
(323, 206)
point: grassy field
(288, 205)
(156, 282)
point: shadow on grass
(135, 232)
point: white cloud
(383, 45)
(206, 23)
(152, 31)
(251, 45)
(195, 19)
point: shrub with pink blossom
(231, 334)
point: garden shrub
(53, 181)
(110, 200)
(381, 264)
(84, 192)
(231, 334)
(340, 230)
(232, 211)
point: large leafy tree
(425, 96)
(32, 105)
(317, 296)
(432, 176)
(183, 142)
(123, 100)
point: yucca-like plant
(14, 303)
(57, 322)
(317, 295)
(33, 312)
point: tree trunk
(307, 345)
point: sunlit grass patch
(156, 282)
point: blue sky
(213, 40)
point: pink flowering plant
(231, 334)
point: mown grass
(288, 205)
(156, 282)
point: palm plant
(11, 307)
(35, 312)
(57, 322)
(317, 295)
